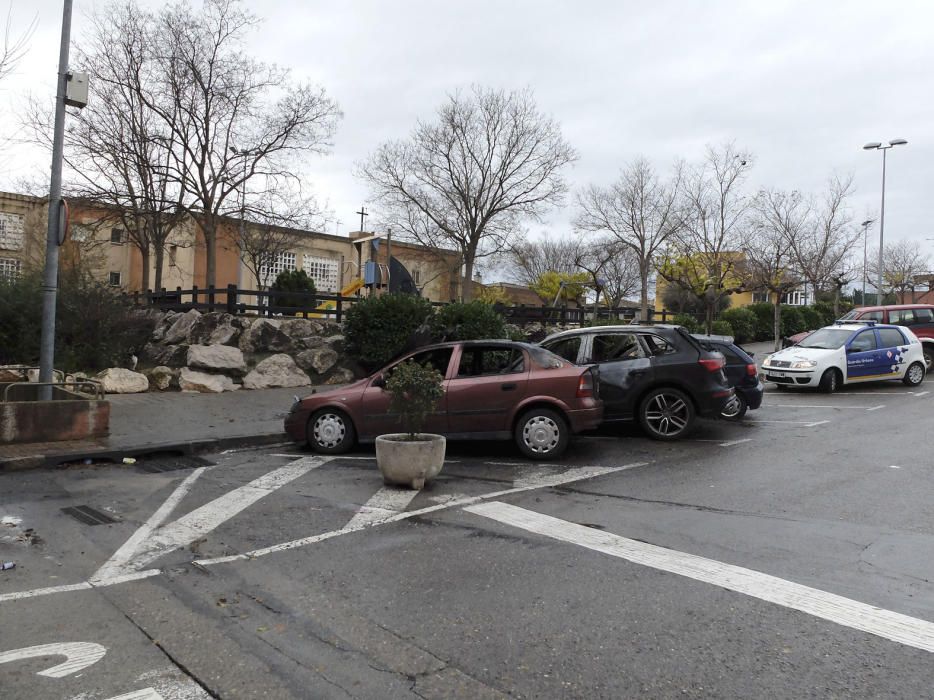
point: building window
(11, 231)
(9, 268)
(114, 279)
(116, 235)
(324, 272)
(417, 276)
(795, 298)
(761, 297)
(281, 263)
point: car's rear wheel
(330, 431)
(667, 414)
(542, 433)
(915, 374)
(830, 381)
(735, 409)
(928, 351)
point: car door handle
(636, 372)
(508, 387)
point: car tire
(914, 375)
(928, 351)
(736, 409)
(667, 414)
(330, 432)
(830, 381)
(542, 433)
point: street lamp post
(877, 146)
(865, 226)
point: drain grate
(88, 515)
(171, 464)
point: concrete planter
(407, 462)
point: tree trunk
(836, 302)
(644, 295)
(209, 230)
(144, 255)
(467, 289)
(711, 307)
(160, 260)
(777, 322)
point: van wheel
(915, 374)
(542, 434)
(830, 381)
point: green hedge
(377, 329)
(689, 322)
(743, 323)
(474, 320)
(721, 327)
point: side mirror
(379, 381)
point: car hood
(795, 354)
(351, 390)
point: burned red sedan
(493, 390)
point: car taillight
(752, 370)
(585, 385)
(712, 364)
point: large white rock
(216, 358)
(276, 371)
(180, 330)
(161, 377)
(190, 380)
(318, 359)
(118, 380)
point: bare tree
(778, 219)
(234, 121)
(639, 210)
(13, 48)
(903, 262)
(528, 260)
(705, 258)
(465, 179)
(613, 269)
(823, 248)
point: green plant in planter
(414, 391)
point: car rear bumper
(585, 418)
(752, 395)
(711, 404)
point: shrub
(764, 313)
(688, 321)
(291, 289)
(95, 326)
(792, 321)
(825, 310)
(811, 318)
(594, 322)
(743, 323)
(377, 329)
(721, 327)
(473, 320)
(414, 391)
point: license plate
(780, 375)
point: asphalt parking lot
(788, 555)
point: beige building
(98, 242)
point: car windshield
(545, 358)
(826, 339)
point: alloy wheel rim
(667, 414)
(329, 430)
(541, 434)
(731, 410)
(915, 374)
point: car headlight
(767, 362)
(804, 364)
(295, 404)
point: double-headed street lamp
(865, 226)
(876, 146)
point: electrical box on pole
(76, 89)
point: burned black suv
(658, 375)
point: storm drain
(173, 463)
(88, 515)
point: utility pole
(53, 234)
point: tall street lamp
(865, 226)
(876, 146)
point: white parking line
(730, 443)
(876, 408)
(892, 466)
(802, 423)
(794, 405)
(816, 423)
(887, 624)
(921, 393)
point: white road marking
(531, 475)
(921, 393)
(892, 466)
(36, 592)
(816, 423)
(118, 563)
(383, 504)
(170, 684)
(78, 656)
(887, 624)
(793, 405)
(144, 694)
(876, 408)
(248, 449)
(786, 422)
(10, 520)
(203, 520)
(730, 443)
(281, 454)
(567, 477)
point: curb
(188, 447)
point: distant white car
(846, 353)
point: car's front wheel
(667, 414)
(830, 381)
(915, 374)
(542, 433)
(330, 431)
(735, 409)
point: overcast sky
(803, 85)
